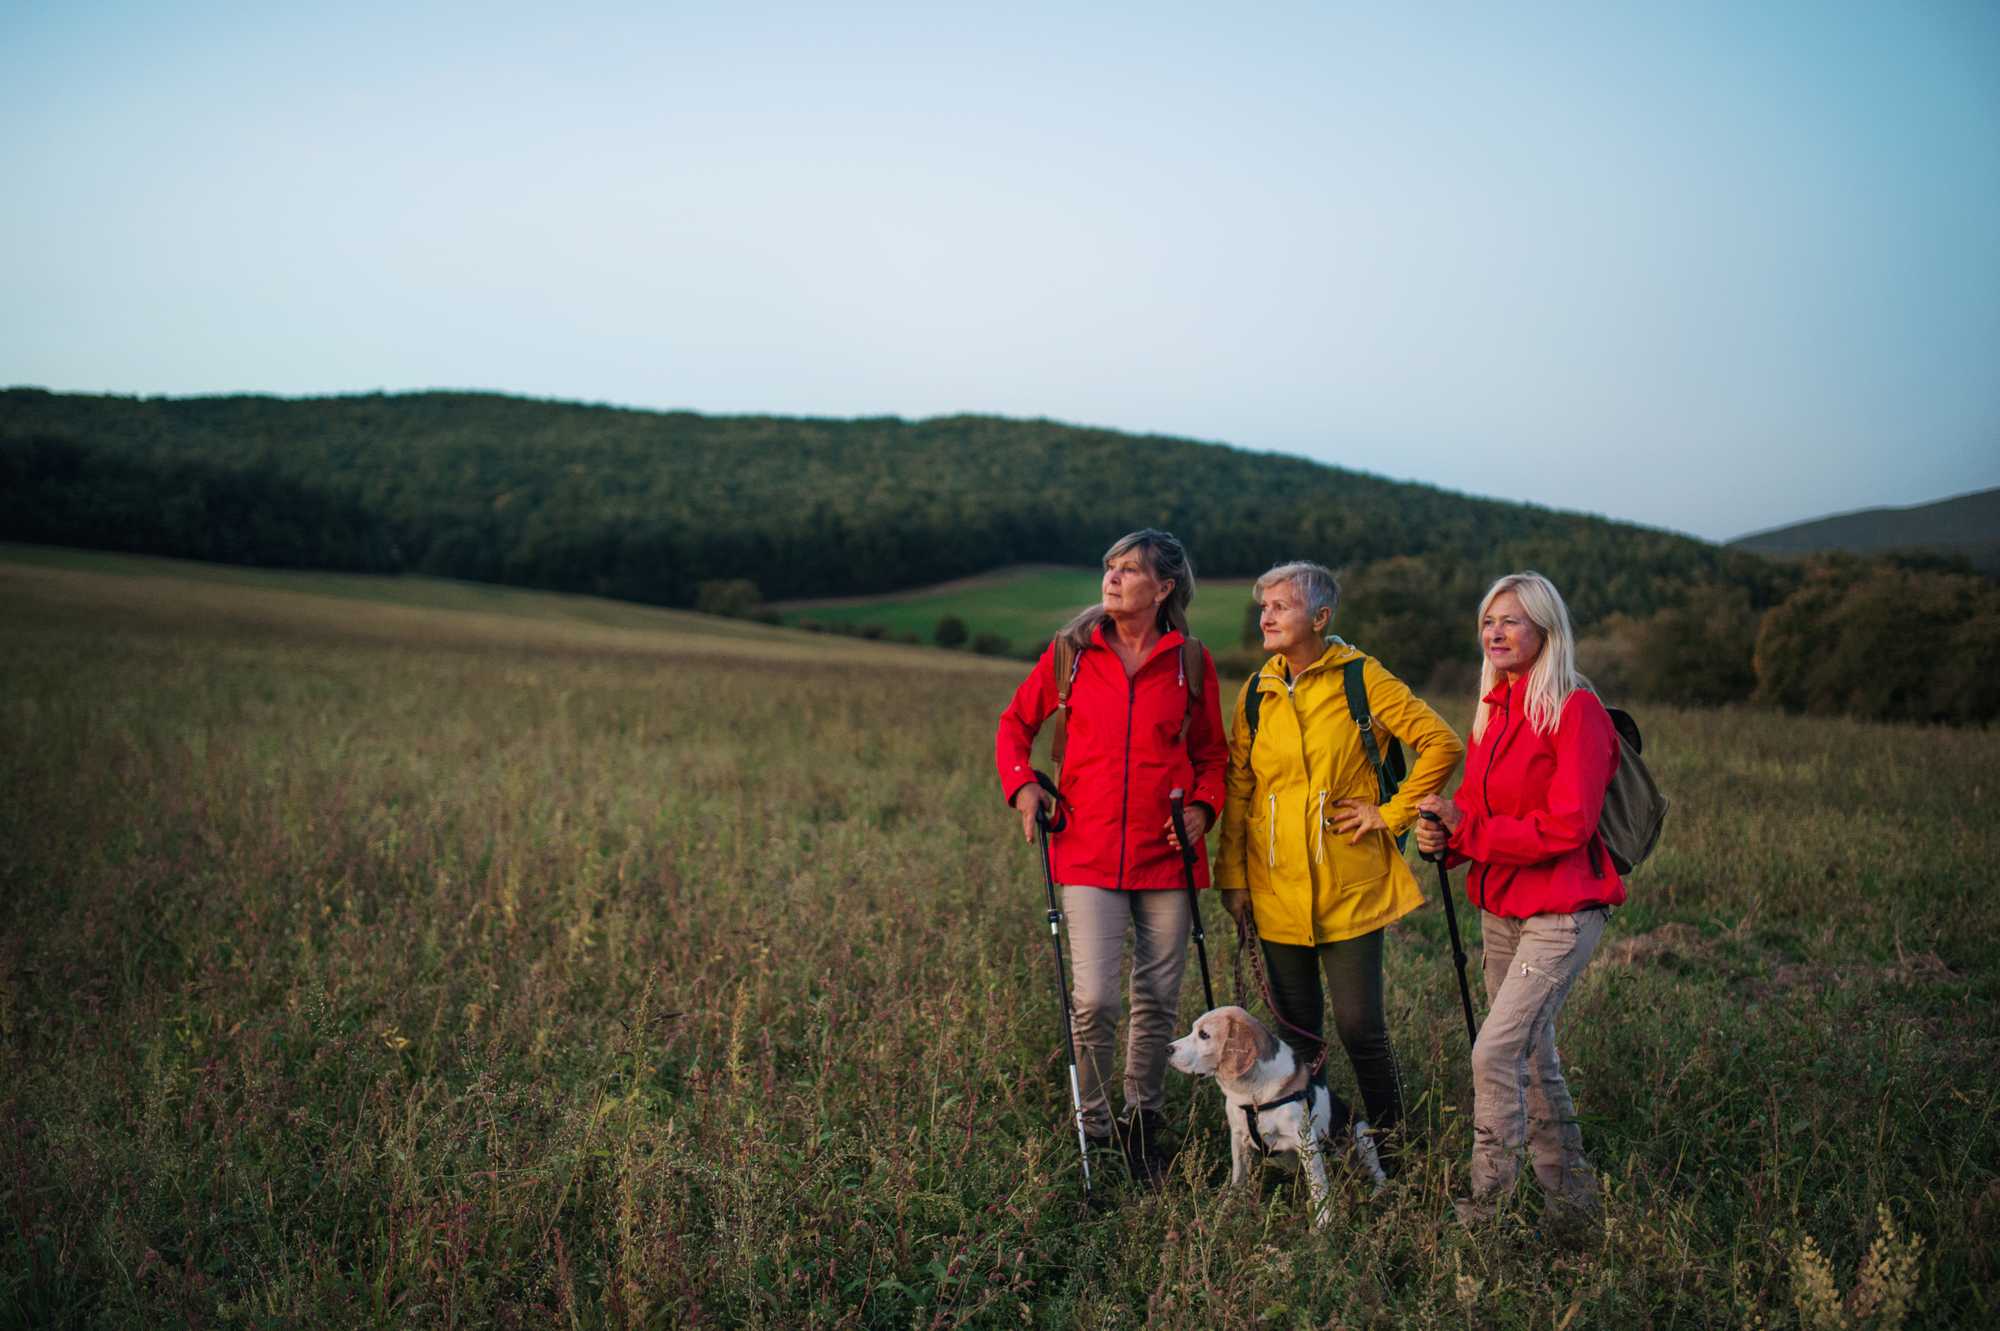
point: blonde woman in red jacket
(1525, 818)
(1138, 727)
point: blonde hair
(1166, 558)
(1553, 677)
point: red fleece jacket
(1123, 755)
(1531, 803)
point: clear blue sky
(1713, 267)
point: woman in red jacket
(1138, 727)
(1525, 817)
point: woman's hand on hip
(1355, 818)
(1197, 818)
(1030, 800)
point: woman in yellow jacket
(1308, 846)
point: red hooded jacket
(1123, 754)
(1531, 803)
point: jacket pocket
(1260, 834)
(1357, 867)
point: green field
(369, 958)
(1025, 606)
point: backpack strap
(1253, 706)
(1390, 770)
(1355, 685)
(1194, 676)
(1067, 660)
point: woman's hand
(1355, 818)
(1197, 818)
(1434, 837)
(1030, 800)
(1236, 900)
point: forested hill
(648, 506)
(1967, 525)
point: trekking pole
(1457, 947)
(1045, 823)
(1194, 898)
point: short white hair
(1314, 583)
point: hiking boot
(1478, 1209)
(1146, 1153)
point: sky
(1709, 267)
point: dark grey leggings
(1353, 969)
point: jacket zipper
(1125, 795)
(1305, 763)
(1486, 775)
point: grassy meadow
(404, 954)
(1023, 605)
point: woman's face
(1130, 589)
(1287, 627)
(1511, 640)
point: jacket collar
(1170, 640)
(1336, 653)
(1504, 691)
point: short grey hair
(1314, 583)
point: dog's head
(1224, 1044)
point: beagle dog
(1273, 1106)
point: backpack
(1390, 767)
(1634, 808)
(1068, 659)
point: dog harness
(1304, 1092)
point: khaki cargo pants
(1519, 1096)
(1099, 920)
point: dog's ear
(1241, 1047)
(1267, 1043)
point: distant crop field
(1024, 607)
(368, 964)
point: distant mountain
(1968, 525)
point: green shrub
(950, 632)
(736, 597)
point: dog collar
(1250, 1112)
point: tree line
(656, 506)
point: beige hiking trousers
(1519, 1096)
(1098, 920)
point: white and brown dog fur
(1254, 1067)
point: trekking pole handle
(1430, 817)
(1176, 804)
(1049, 814)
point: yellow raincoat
(1307, 883)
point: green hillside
(1023, 606)
(436, 610)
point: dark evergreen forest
(647, 506)
(654, 506)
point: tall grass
(361, 966)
